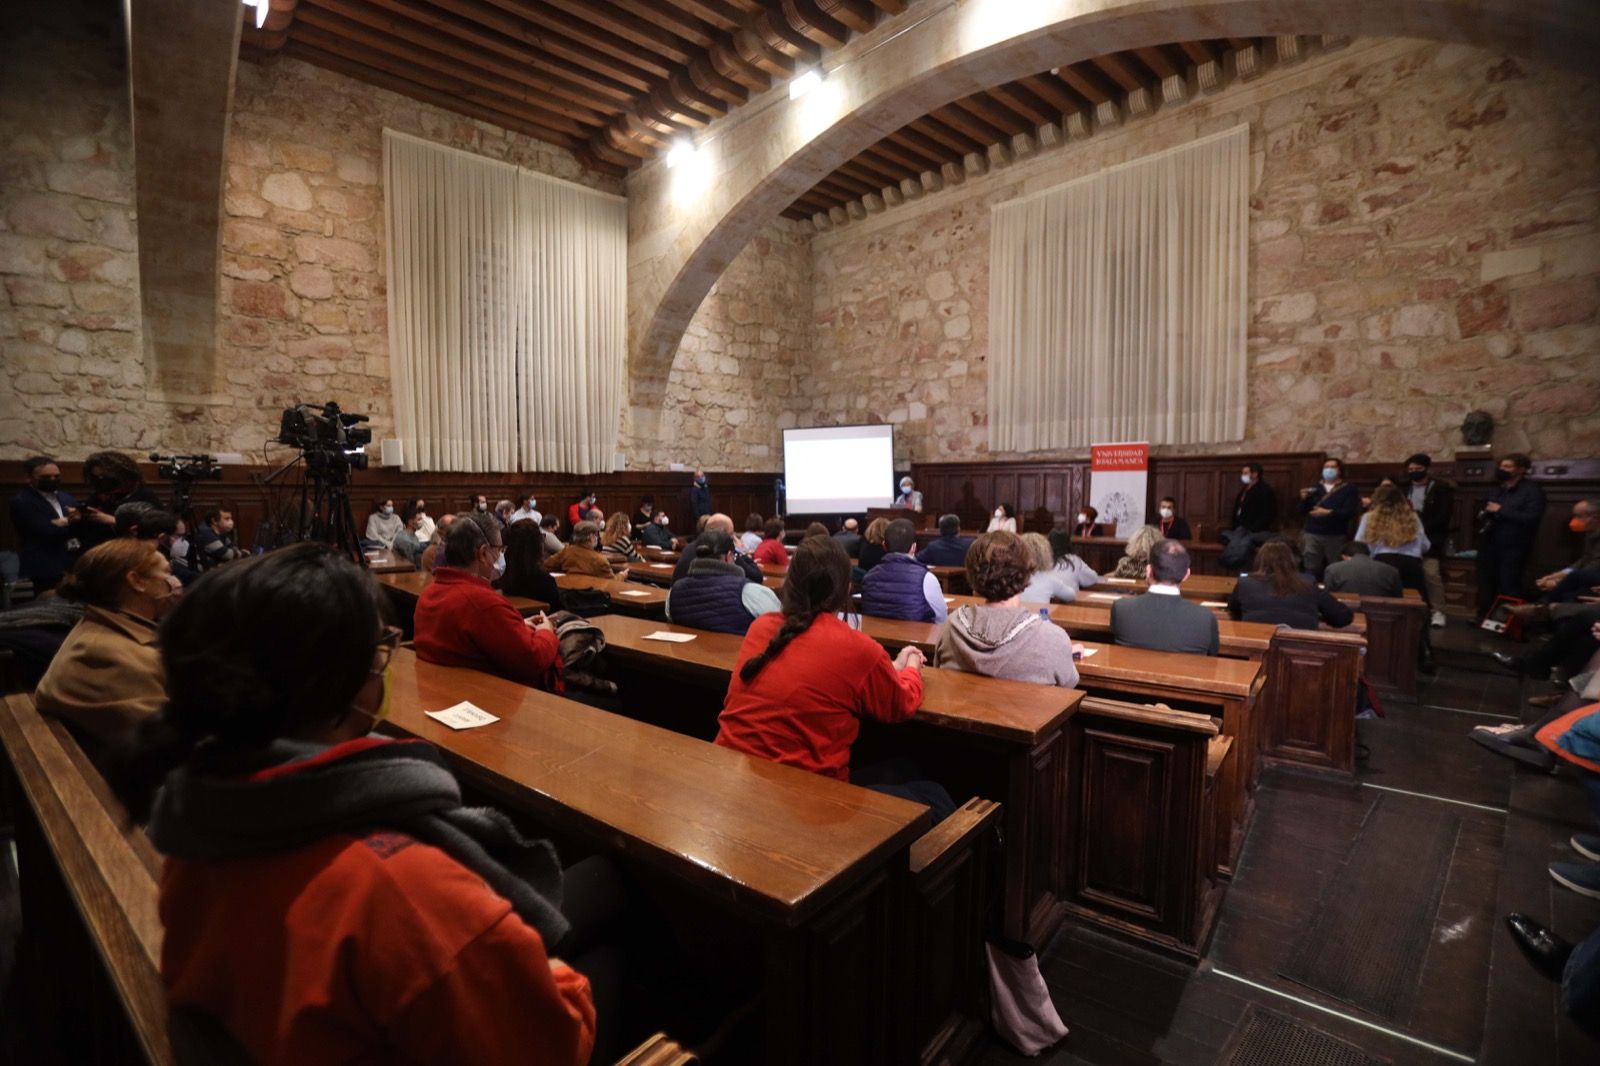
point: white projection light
(805, 83)
(682, 150)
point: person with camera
(462, 621)
(1508, 522)
(213, 541)
(46, 520)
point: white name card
(462, 716)
(675, 638)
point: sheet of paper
(558, 573)
(462, 716)
(1083, 653)
(1119, 580)
(1104, 596)
(675, 638)
(661, 566)
(632, 592)
(1213, 603)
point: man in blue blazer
(46, 521)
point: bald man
(722, 523)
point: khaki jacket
(106, 678)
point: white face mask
(999, 514)
(662, 519)
(1330, 473)
(1082, 518)
(388, 509)
(1166, 512)
(1245, 478)
(905, 486)
(500, 564)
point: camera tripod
(324, 513)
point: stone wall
(738, 377)
(1423, 232)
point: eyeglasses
(388, 641)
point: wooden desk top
(1194, 547)
(1011, 711)
(388, 562)
(651, 573)
(625, 592)
(781, 842)
(1094, 617)
(656, 555)
(1212, 587)
(411, 584)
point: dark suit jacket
(945, 551)
(1177, 529)
(1164, 623)
(1253, 601)
(1438, 511)
(1364, 576)
(1256, 507)
(42, 547)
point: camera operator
(114, 480)
(213, 541)
(1507, 525)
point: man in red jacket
(462, 621)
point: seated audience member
(1004, 519)
(527, 509)
(700, 523)
(425, 523)
(480, 504)
(325, 892)
(46, 521)
(716, 594)
(142, 521)
(1136, 556)
(771, 552)
(1169, 523)
(655, 533)
(900, 586)
(383, 525)
(617, 539)
(1002, 637)
(435, 548)
(1087, 523)
(107, 677)
(181, 550)
(949, 548)
(1278, 594)
(1048, 583)
(548, 527)
(1583, 576)
(804, 679)
(750, 539)
(582, 555)
(1161, 619)
(816, 529)
(872, 546)
(1394, 534)
(1570, 645)
(503, 512)
(462, 621)
(1359, 573)
(1068, 561)
(909, 497)
(408, 542)
(524, 573)
(849, 537)
(114, 480)
(715, 523)
(644, 515)
(579, 509)
(213, 540)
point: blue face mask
(1330, 473)
(388, 509)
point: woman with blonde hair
(1137, 554)
(617, 538)
(107, 677)
(1049, 583)
(1393, 533)
(873, 548)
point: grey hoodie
(1009, 642)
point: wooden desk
(651, 573)
(951, 578)
(806, 862)
(631, 596)
(1091, 619)
(1004, 737)
(388, 562)
(656, 555)
(405, 589)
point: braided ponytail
(818, 583)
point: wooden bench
(83, 872)
(977, 735)
(1139, 856)
(1308, 707)
(839, 886)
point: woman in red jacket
(805, 678)
(771, 552)
(326, 897)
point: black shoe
(1510, 662)
(1547, 952)
(1528, 754)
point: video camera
(326, 435)
(187, 467)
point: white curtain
(507, 307)
(1117, 304)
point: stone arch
(766, 158)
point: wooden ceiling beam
(870, 171)
(576, 101)
(1199, 51)
(988, 109)
(858, 15)
(574, 121)
(954, 140)
(1120, 72)
(899, 154)
(935, 151)
(672, 18)
(1054, 91)
(1017, 98)
(976, 129)
(809, 18)
(847, 186)
(724, 16)
(1237, 43)
(1158, 62)
(485, 13)
(628, 26)
(1086, 80)
(890, 7)
(584, 33)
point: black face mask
(1416, 475)
(1502, 474)
(49, 484)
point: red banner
(1119, 457)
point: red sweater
(802, 708)
(462, 621)
(373, 950)
(771, 552)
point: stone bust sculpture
(1477, 428)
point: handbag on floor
(1023, 1013)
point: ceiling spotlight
(681, 150)
(804, 83)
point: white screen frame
(810, 501)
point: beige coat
(106, 678)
